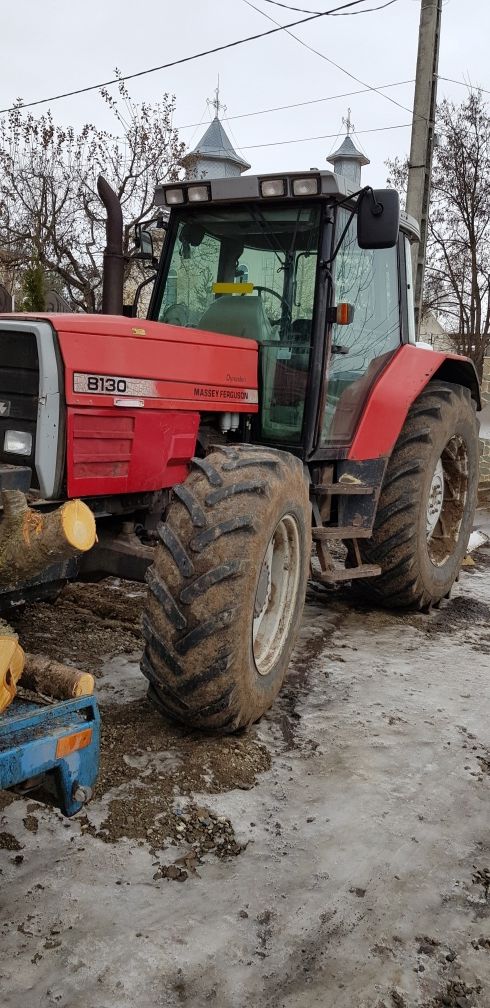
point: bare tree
(49, 207)
(457, 278)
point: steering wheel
(176, 314)
(280, 297)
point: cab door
(369, 281)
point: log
(31, 541)
(54, 679)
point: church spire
(347, 160)
(214, 155)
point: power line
(471, 87)
(184, 59)
(301, 10)
(310, 101)
(344, 94)
(317, 101)
(324, 136)
(196, 125)
(327, 58)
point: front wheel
(227, 588)
(427, 502)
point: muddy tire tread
(393, 543)
(205, 550)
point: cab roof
(249, 187)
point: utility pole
(422, 144)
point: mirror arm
(139, 288)
(377, 211)
(377, 207)
(344, 232)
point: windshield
(250, 271)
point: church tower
(214, 156)
(347, 160)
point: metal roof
(247, 187)
(216, 145)
(348, 150)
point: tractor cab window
(250, 271)
(368, 280)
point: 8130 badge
(113, 385)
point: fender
(402, 380)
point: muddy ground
(336, 855)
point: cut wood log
(54, 679)
(31, 541)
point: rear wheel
(427, 502)
(227, 587)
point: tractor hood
(165, 366)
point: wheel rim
(446, 504)
(436, 497)
(276, 594)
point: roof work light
(273, 187)
(306, 186)
(173, 196)
(198, 194)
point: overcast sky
(55, 45)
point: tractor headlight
(198, 193)
(273, 187)
(18, 442)
(306, 186)
(173, 196)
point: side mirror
(378, 219)
(144, 249)
(146, 244)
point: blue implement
(58, 739)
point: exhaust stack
(113, 269)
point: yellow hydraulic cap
(12, 660)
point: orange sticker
(70, 743)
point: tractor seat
(238, 315)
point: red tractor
(274, 394)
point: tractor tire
(427, 503)
(227, 587)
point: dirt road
(337, 855)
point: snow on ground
(337, 855)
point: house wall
(431, 331)
(485, 424)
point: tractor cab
(318, 277)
